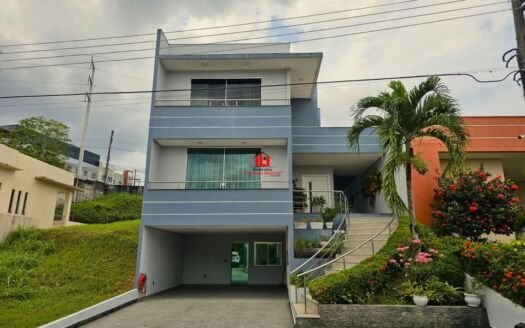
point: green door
(239, 263)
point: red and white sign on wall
(263, 166)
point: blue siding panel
(330, 140)
(220, 122)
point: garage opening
(174, 256)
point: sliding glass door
(222, 168)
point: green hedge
(109, 208)
(362, 283)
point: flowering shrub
(473, 204)
(499, 266)
(415, 252)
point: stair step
(353, 243)
(365, 230)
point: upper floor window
(226, 92)
(222, 168)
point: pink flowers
(514, 187)
(402, 249)
(452, 187)
(416, 241)
(423, 257)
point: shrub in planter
(472, 205)
(328, 214)
(499, 266)
(438, 292)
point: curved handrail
(338, 231)
(350, 251)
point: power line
(267, 45)
(224, 33)
(271, 85)
(210, 27)
(276, 35)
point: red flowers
(483, 176)
(474, 204)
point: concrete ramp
(206, 306)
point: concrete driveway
(206, 306)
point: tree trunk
(410, 202)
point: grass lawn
(47, 274)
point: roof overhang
(222, 229)
(9, 167)
(57, 183)
(303, 67)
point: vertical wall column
(67, 207)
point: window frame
(17, 207)
(25, 203)
(10, 208)
(222, 183)
(225, 101)
(280, 246)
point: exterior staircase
(362, 227)
(365, 235)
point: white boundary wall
(94, 311)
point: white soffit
(302, 69)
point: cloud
(463, 45)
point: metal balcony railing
(241, 102)
(219, 185)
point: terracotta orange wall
(488, 134)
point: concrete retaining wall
(399, 316)
(91, 313)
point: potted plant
(317, 203)
(328, 215)
(519, 226)
(301, 224)
(316, 223)
(414, 290)
(299, 198)
(473, 292)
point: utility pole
(134, 177)
(519, 26)
(108, 157)
(91, 80)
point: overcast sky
(470, 44)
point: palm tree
(427, 110)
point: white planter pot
(329, 225)
(316, 208)
(420, 300)
(316, 225)
(300, 225)
(472, 300)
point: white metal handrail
(333, 237)
(394, 219)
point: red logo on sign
(263, 160)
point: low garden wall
(399, 316)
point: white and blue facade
(231, 127)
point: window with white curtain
(221, 168)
